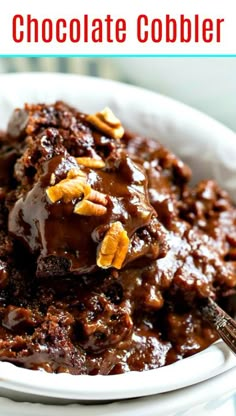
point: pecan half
(97, 197)
(89, 208)
(107, 122)
(94, 203)
(114, 247)
(90, 162)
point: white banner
(122, 27)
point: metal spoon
(224, 325)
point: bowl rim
(122, 386)
(210, 393)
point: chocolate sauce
(59, 310)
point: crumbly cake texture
(105, 249)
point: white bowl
(210, 398)
(209, 148)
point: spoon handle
(224, 325)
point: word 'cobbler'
(29, 29)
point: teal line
(119, 56)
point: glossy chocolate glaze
(59, 311)
(54, 230)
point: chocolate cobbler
(105, 248)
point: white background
(128, 9)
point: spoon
(224, 325)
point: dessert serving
(106, 250)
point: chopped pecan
(74, 186)
(97, 197)
(94, 203)
(107, 122)
(89, 208)
(90, 162)
(75, 173)
(114, 247)
(53, 179)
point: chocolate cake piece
(105, 249)
(77, 184)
